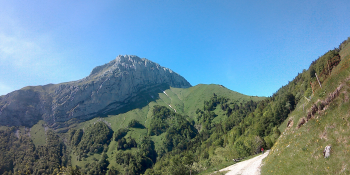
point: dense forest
(18, 154)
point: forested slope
(248, 127)
(129, 142)
(319, 121)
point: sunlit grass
(300, 151)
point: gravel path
(248, 167)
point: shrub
(135, 124)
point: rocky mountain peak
(125, 63)
(127, 59)
(108, 87)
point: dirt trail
(248, 167)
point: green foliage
(312, 71)
(120, 133)
(134, 163)
(97, 167)
(95, 139)
(113, 171)
(179, 133)
(213, 102)
(75, 136)
(147, 149)
(21, 156)
(178, 130)
(159, 122)
(290, 101)
(67, 170)
(300, 150)
(127, 143)
(135, 124)
(194, 97)
(184, 150)
(308, 92)
(51, 154)
(138, 162)
(245, 129)
(268, 142)
(344, 43)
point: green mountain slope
(184, 101)
(323, 120)
(103, 152)
(194, 97)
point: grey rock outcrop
(108, 88)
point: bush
(312, 72)
(135, 124)
(120, 133)
(124, 144)
(308, 92)
(268, 142)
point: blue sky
(252, 47)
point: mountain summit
(108, 88)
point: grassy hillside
(299, 149)
(184, 101)
(194, 97)
(93, 157)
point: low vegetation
(319, 121)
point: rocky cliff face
(108, 88)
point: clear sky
(252, 47)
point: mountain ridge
(108, 87)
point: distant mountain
(108, 88)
